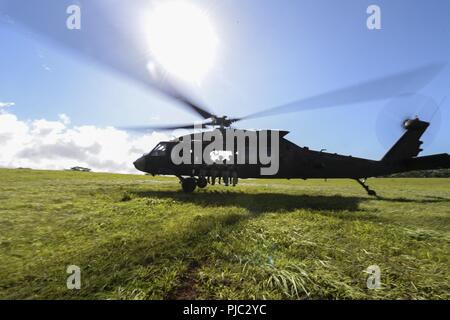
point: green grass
(137, 237)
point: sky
(59, 108)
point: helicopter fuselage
(206, 159)
(293, 162)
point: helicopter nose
(140, 164)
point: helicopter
(294, 162)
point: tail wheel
(202, 183)
(188, 185)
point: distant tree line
(441, 173)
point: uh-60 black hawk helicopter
(294, 161)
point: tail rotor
(400, 111)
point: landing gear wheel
(202, 183)
(188, 185)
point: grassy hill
(137, 237)
(441, 173)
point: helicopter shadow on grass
(427, 199)
(342, 207)
(261, 202)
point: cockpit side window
(159, 151)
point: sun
(182, 39)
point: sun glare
(182, 39)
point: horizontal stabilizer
(437, 161)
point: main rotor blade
(166, 128)
(110, 34)
(379, 89)
(170, 91)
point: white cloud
(44, 144)
(6, 104)
(64, 118)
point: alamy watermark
(74, 280)
(229, 147)
(374, 20)
(73, 21)
(374, 279)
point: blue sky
(270, 52)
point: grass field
(137, 237)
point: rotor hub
(222, 122)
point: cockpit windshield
(159, 150)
